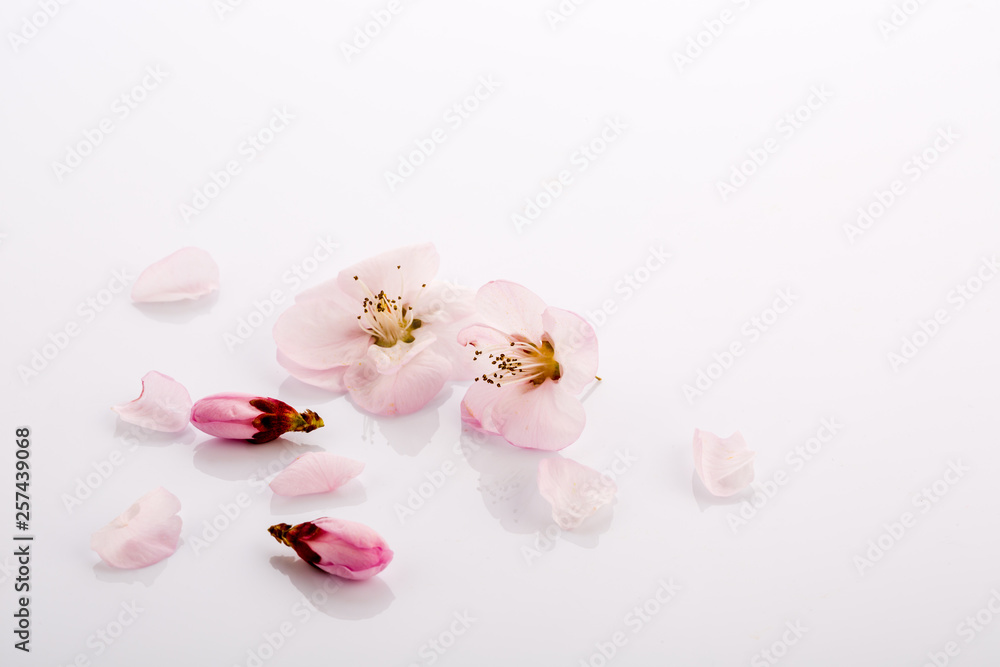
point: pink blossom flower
(344, 548)
(163, 404)
(189, 273)
(315, 472)
(144, 534)
(534, 361)
(725, 465)
(248, 417)
(382, 330)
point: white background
(469, 548)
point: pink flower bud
(252, 418)
(344, 548)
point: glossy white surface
(477, 548)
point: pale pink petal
(189, 273)
(574, 490)
(538, 416)
(482, 335)
(575, 344)
(319, 334)
(400, 393)
(417, 266)
(477, 406)
(146, 533)
(331, 379)
(315, 472)
(389, 360)
(448, 309)
(512, 308)
(349, 549)
(163, 405)
(725, 465)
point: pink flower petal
(417, 266)
(319, 334)
(574, 490)
(477, 406)
(538, 417)
(187, 274)
(227, 415)
(512, 308)
(315, 472)
(331, 379)
(725, 465)
(344, 548)
(403, 392)
(164, 404)
(146, 533)
(575, 344)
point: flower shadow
(508, 481)
(333, 596)
(408, 434)
(179, 312)
(352, 493)
(132, 434)
(236, 460)
(705, 499)
(145, 576)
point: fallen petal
(725, 465)
(315, 472)
(163, 405)
(574, 490)
(146, 533)
(189, 273)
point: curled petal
(574, 490)
(538, 417)
(189, 273)
(725, 465)
(512, 308)
(163, 405)
(315, 472)
(146, 533)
